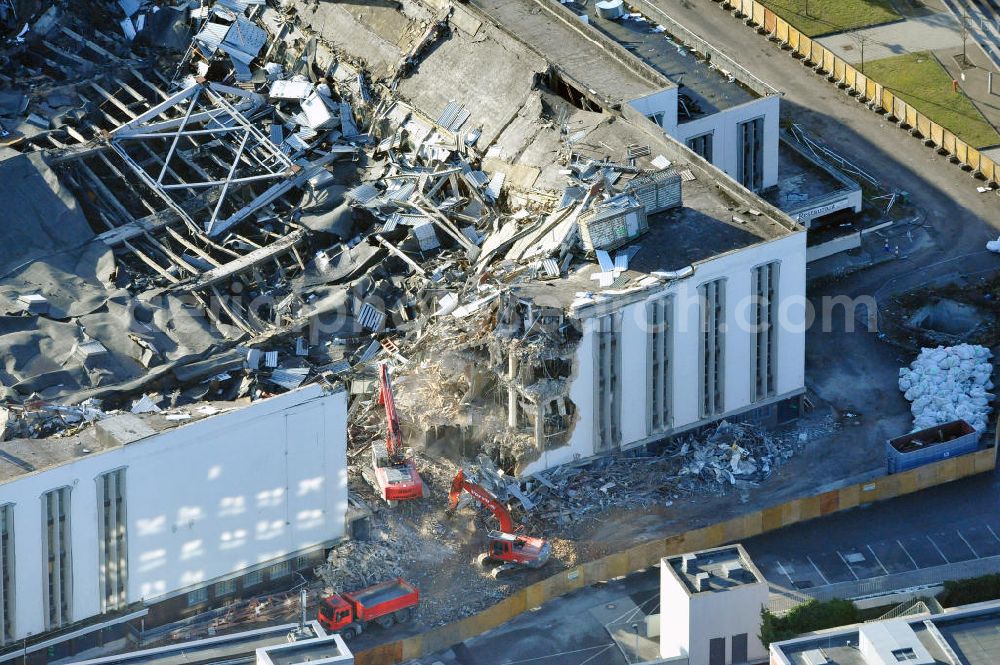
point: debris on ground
(949, 383)
(355, 564)
(724, 457)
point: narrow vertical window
(658, 365)
(764, 333)
(6, 573)
(58, 558)
(712, 347)
(702, 145)
(112, 541)
(750, 169)
(607, 386)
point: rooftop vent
(815, 657)
(689, 563)
(701, 582)
(732, 569)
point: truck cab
(335, 614)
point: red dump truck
(385, 603)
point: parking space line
(991, 531)
(848, 565)
(785, 572)
(946, 559)
(879, 562)
(974, 553)
(825, 581)
(907, 553)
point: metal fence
(865, 89)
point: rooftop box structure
(657, 191)
(710, 607)
(614, 224)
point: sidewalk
(931, 29)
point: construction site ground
(438, 553)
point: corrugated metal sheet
(289, 378)
(603, 258)
(347, 125)
(621, 261)
(370, 352)
(496, 184)
(477, 179)
(241, 69)
(449, 114)
(362, 194)
(211, 36)
(426, 237)
(371, 318)
(457, 123)
(244, 40)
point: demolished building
(617, 321)
(310, 189)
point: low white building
(964, 635)
(740, 139)
(169, 512)
(710, 603)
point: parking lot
(900, 536)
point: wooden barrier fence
(881, 100)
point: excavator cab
(518, 549)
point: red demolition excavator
(393, 474)
(508, 548)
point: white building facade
(725, 340)
(741, 140)
(710, 603)
(168, 515)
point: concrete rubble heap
(948, 383)
(726, 456)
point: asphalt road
(950, 524)
(565, 631)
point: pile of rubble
(357, 564)
(949, 383)
(731, 452)
(724, 457)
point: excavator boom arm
(394, 440)
(483, 496)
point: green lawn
(921, 81)
(819, 17)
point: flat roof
(239, 647)
(583, 58)
(971, 633)
(802, 180)
(24, 456)
(727, 568)
(707, 89)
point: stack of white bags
(948, 383)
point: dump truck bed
(383, 598)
